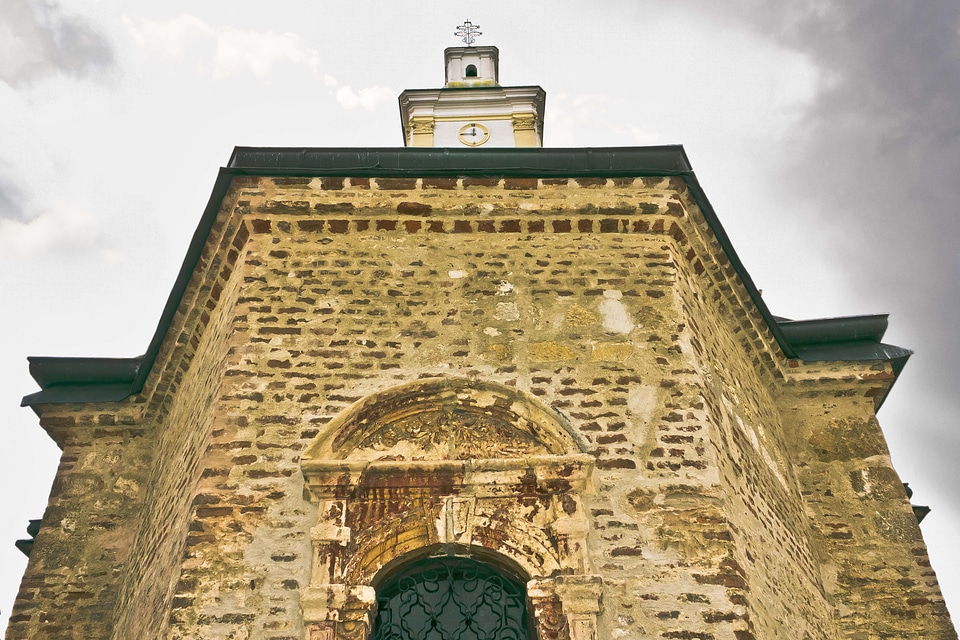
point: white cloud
(38, 38)
(589, 102)
(258, 52)
(169, 38)
(368, 97)
(644, 136)
(241, 50)
(21, 50)
(235, 50)
(61, 228)
(573, 118)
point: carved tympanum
(446, 464)
(449, 434)
(445, 420)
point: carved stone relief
(452, 465)
(449, 434)
(524, 122)
(422, 126)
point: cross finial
(468, 32)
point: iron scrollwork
(451, 598)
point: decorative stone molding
(425, 125)
(526, 130)
(525, 122)
(566, 607)
(337, 611)
(455, 466)
(548, 616)
(420, 131)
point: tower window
(451, 597)
(471, 71)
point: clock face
(473, 134)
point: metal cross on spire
(468, 32)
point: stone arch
(427, 412)
(444, 462)
(454, 591)
(501, 562)
(528, 548)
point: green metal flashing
(832, 330)
(64, 380)
(26, 545)
(428, 162)
(82, 371)
(853, 338)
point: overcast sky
(826, 133)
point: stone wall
(739, 369)
(607, 301)
(69, 589)
(875, 564)
(346, 298)
(185, 385)
(115, 526)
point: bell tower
(472, 109)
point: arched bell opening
(458, 593)
(471, 71)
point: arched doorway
(457, 468)
(451, 598)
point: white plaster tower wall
(472, 110)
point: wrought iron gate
(451, 598)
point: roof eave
(655, 161)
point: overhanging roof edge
(611, 162)
(829, 330)
(391, 162)
(85, 379)
(713, 221)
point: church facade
(474, 390)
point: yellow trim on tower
(525, 129)
(469, 118)
(421, 131)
